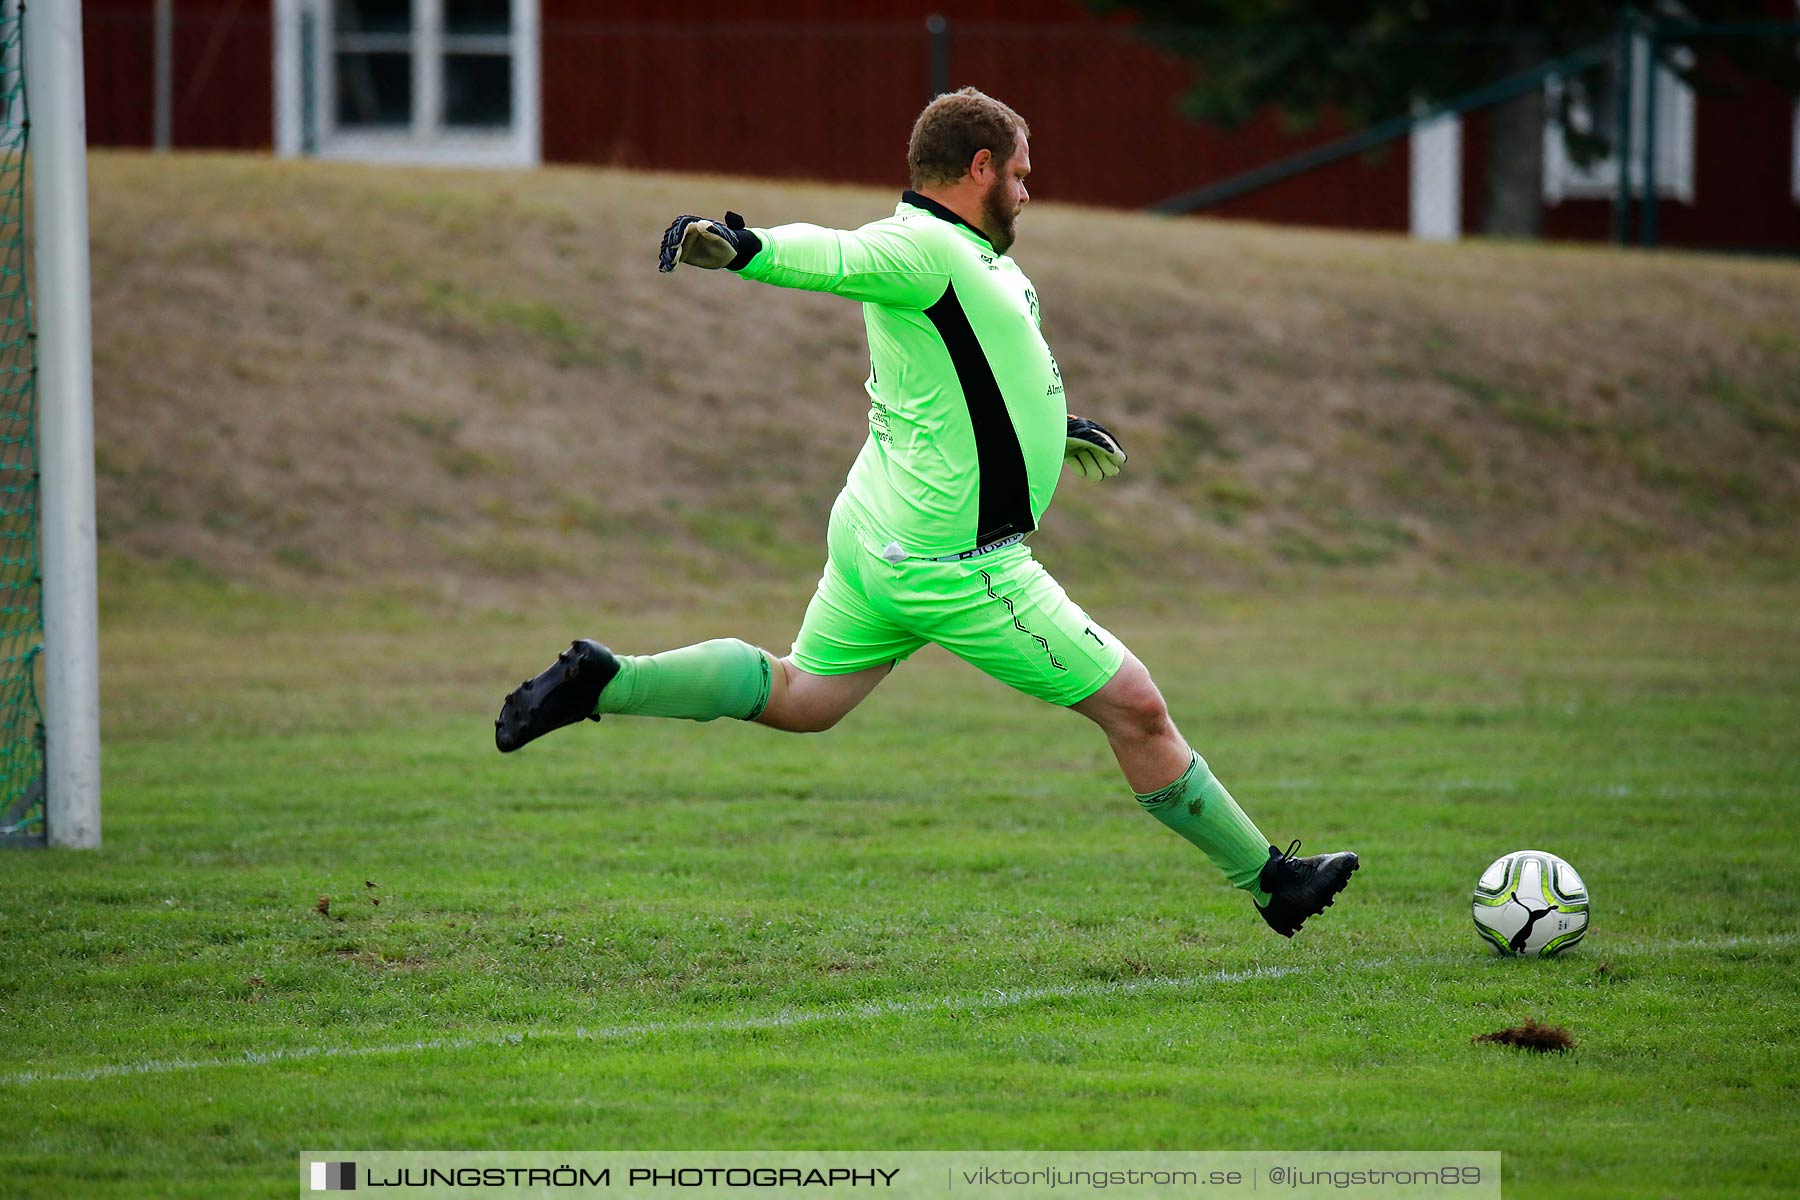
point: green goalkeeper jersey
(967, 419)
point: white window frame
(1435, 200)
(1796, 179)
(425, 142)
(1564, 180)
(1797, 154)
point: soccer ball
(1532, 903)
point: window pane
(374, 90)
(477, 16)
(373, 16)
(478, 90)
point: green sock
(1198, 807)
(720, 678)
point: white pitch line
(792, 1018)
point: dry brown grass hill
(467, 384)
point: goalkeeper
(968, 432)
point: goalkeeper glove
(1092, 449)
(704, 242)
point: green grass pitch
(943, 925)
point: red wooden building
(803, 89)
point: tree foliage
(1372, 59)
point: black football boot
(566, 691)
(1301, 887)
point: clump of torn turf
(1532, 1035)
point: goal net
(21, 609)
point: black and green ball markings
(1562, 896)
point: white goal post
(65, 392)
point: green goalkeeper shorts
(1001, 612)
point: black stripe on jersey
(941, 212)
(1005, 492)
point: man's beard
(999, 216)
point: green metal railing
(1618, 49)
(1380, 134)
